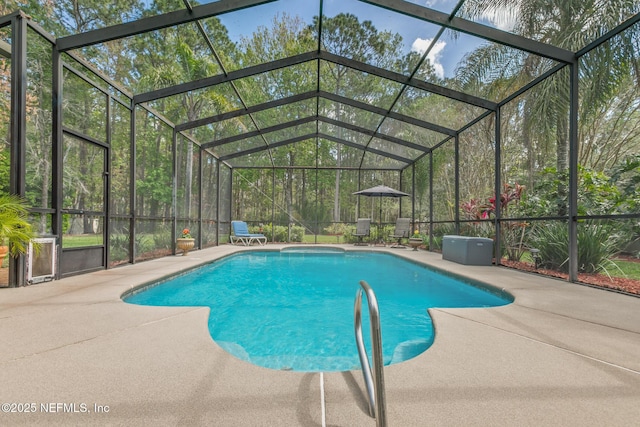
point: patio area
(72, 352)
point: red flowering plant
(513, 233)
(478, 212)
(511, 193)
(475, 210)
(186, 234)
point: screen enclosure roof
(373, 84)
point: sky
(416, 34)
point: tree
(570, 25)
(346, 36)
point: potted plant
(15, 229)
(416, 240)
(185, 242)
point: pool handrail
(374, 381)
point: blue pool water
(293, 310)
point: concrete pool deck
(73, 353)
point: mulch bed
(620, 284)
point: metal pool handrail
(373, 381)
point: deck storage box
(467, 250)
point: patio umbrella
(380, 191)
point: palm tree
(15, 229)
(571, 25)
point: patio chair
(241, 234)
(362, 230)
(402, 231)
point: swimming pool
(293, 310)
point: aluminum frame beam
(475, 29)
(222, 78)
(385, 113)
(310, 95)
(315, 135)
(128, 29)
(293, 123)
(408, 81)
(309, 57)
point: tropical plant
(119, 247)
(513, 233)
(596, 245)
(603, 73)
(15, 230)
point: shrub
(143, 244)
(348, 234)
(336, 228)
(279, 233)
(596, 245)
(514, 239)
(297, 233)
(119, 247)
(162, 237)
(440, 230)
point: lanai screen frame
(20, 23)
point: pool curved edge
(404, 348)
(495, 290)
(498, 291)
(287, 248)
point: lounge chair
(403, 228)
(362, 230)
(241, 234)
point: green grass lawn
(629, 268)
(78, 241)
(322, 239)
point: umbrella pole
(380, 239)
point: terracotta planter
(185, 244)
(4, 250)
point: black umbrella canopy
(381, 191)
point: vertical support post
(200, 219)
(498, 186)
(317, 216)
(413, 196)
(132, 185)
(400, 198)
(106, 228)
(430, 200)
(456, 185)
(273, 204)
(56, 142)
(230, 193)
(18, 130)
(573, 172)
(217, 202)
(174, 190)
(358, 197)
(18, 104)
